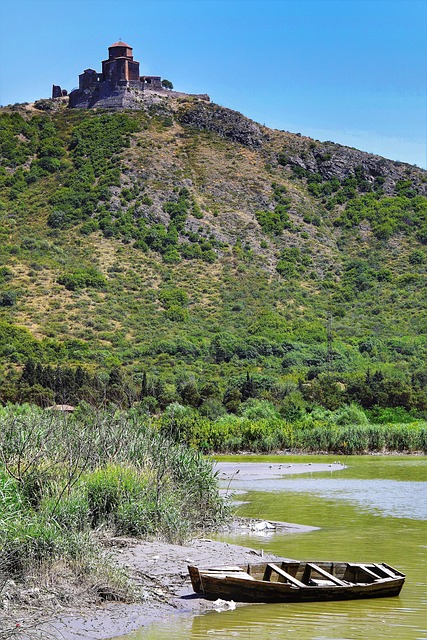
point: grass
(67, 480)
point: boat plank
(327, 575)
(221, 569)
(286, 575)
(366, 569)
(242, 575)
(385, 569)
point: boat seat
(329, 577)
(383, 569)
(273, 567)
(365, 568)
(242, 575)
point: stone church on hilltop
(118, 86)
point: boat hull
(234, 585)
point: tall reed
(62, 476)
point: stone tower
(120, 66)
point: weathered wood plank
(221, 569)
(327, 575)
(242, 575)
(365, 568)
(286, 575)
(386, 570)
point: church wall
(133, 70)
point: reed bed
(345, 431)
(67, 480)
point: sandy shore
(161, 569)
(253, 471)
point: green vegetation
(167, 84)
(88, 277)
(146, 261)
(63, 478)
(387, 216)
(260, 428)
(277, 220)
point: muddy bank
(161, 569)
(159, 572)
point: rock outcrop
(332, 160)
(225, 123)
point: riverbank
(162, 569)
(158, 571)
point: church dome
(120, 44)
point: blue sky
(351, 71)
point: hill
(184, 253)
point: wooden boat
(291, 581)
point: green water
(374, 510)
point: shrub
(274, 221)
(111, 486)
(173, 297)
(83, 278)
(8, 298)
(45, 104)
(254, 409)
(350, 414)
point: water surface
(375, 510)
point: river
(374, 510)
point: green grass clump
(64, 478)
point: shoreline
(166, 584)
(160, 570)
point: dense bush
(85, 277)
(327, 433)
(387, 215)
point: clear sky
(351, 71)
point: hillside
(185, 253)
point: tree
(167, 84)
(247, 389)
(144, 385)
(114, 391)
(223, 347)
(28, 373)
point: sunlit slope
(186, 238)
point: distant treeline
(374, 392)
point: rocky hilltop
(328, 159)
(119, 98)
